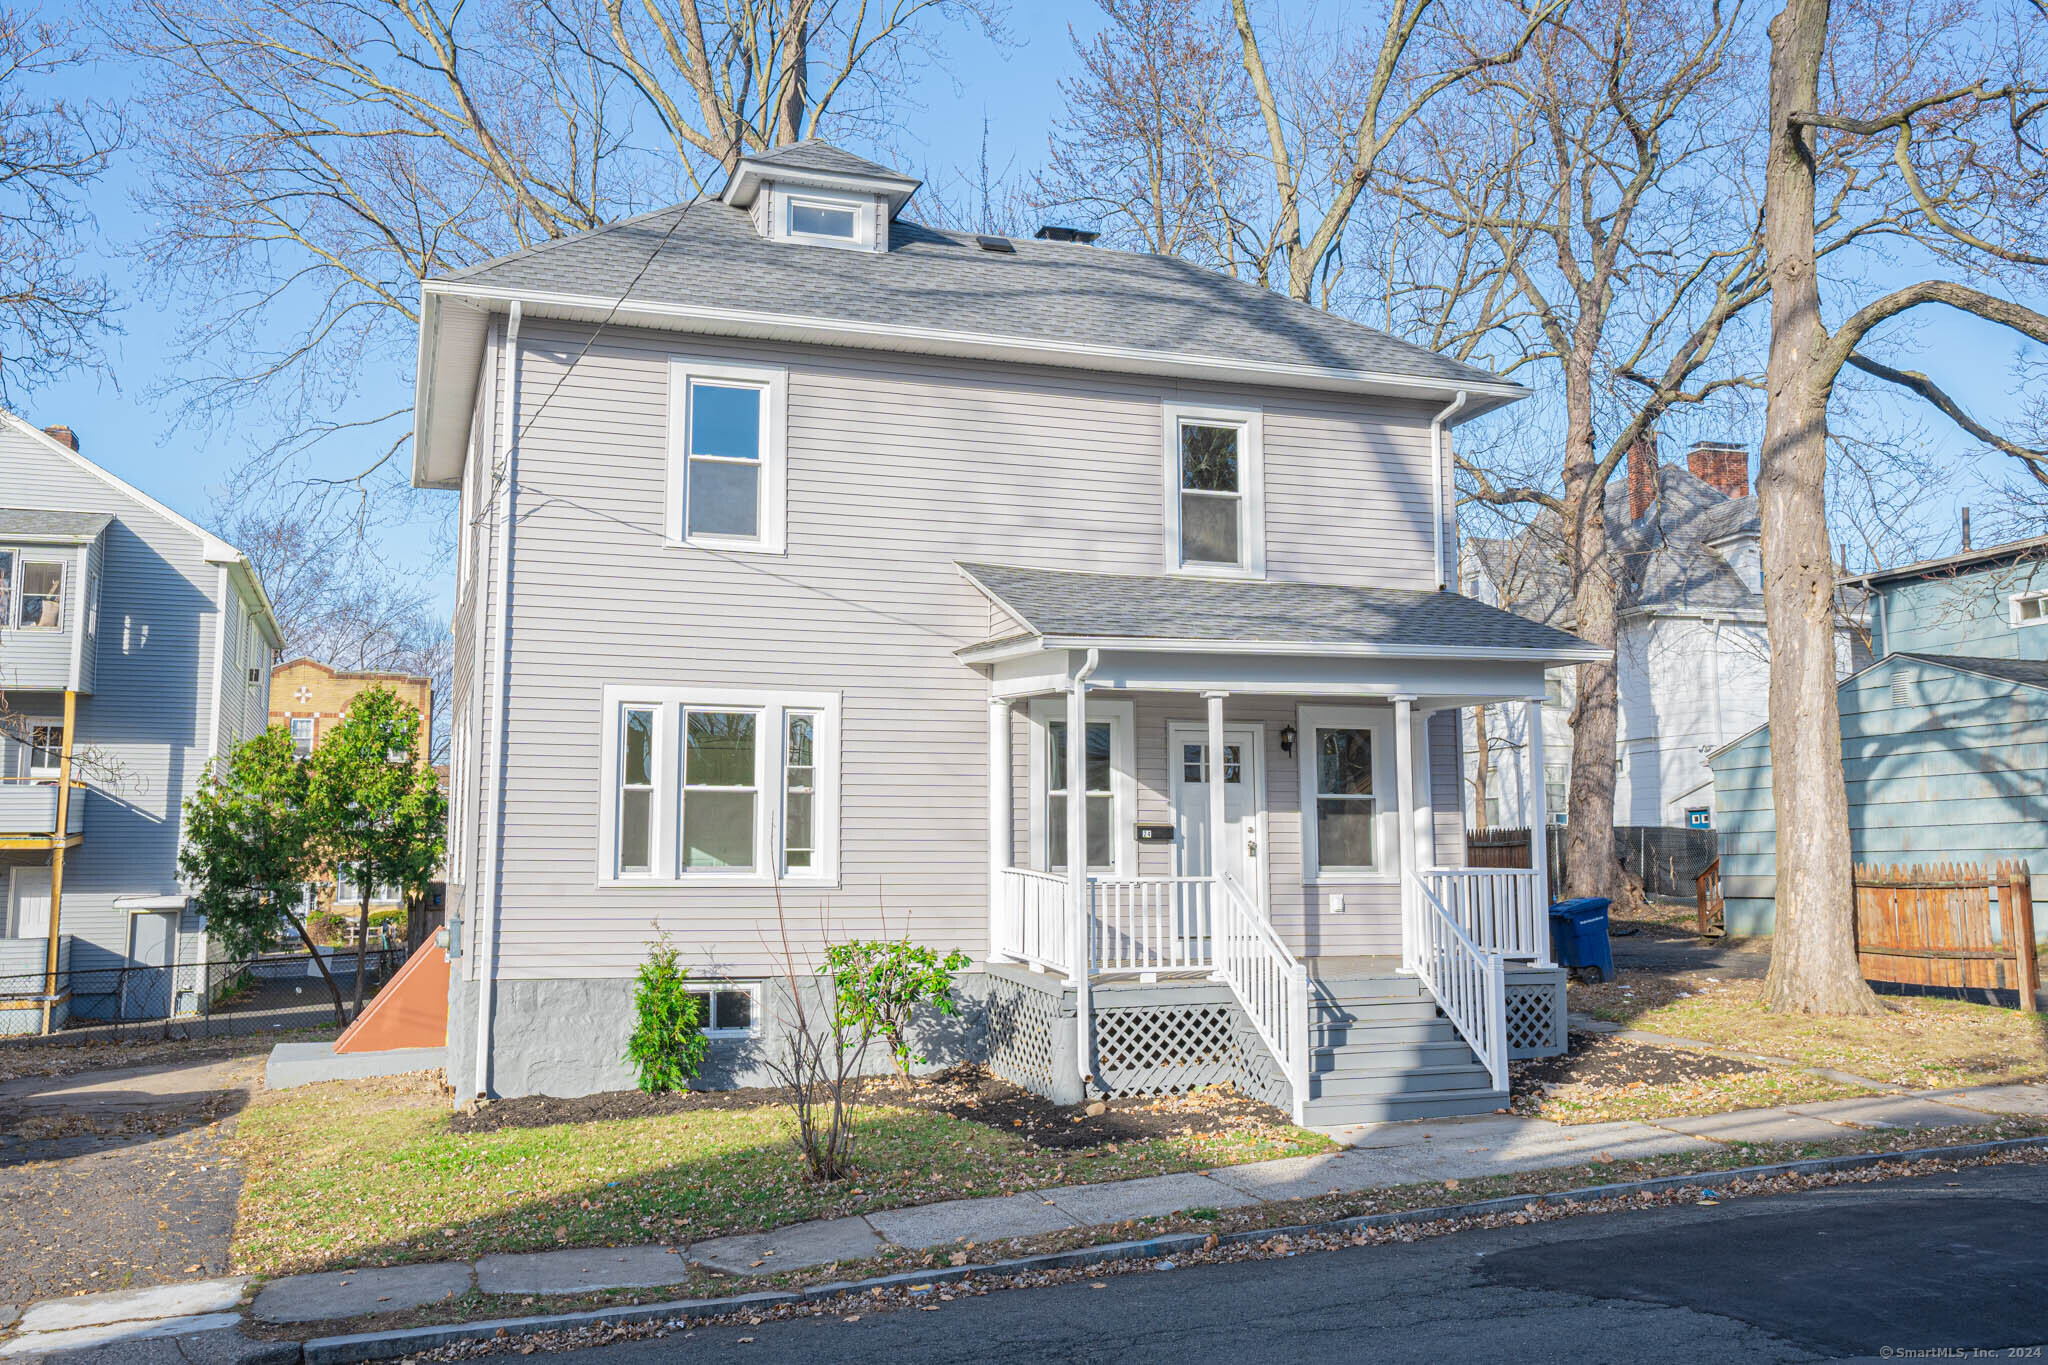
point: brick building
(308, 697)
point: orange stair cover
(411, 1010)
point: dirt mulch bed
(1610, 1063)
(965, 1092)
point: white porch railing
(1468, 981)
(1151, 924)
(1031, 919)
(1499, 908)
(1268, 982)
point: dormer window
(808, 217)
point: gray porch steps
(1381, 1050)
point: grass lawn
(1917, 1042)
(1597, 1103)
(373, 1173)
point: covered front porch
(1328, 860)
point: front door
(28, 903)
(1244, 804)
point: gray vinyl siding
(1957, 772)
(898, 466)
(149, 715)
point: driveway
(111, 1179)
(1946, 1265)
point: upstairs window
(302, 736)
(817, 218)
(811, 215)
(1214, 517)
(31, 592)
(726, 457)
(2029, 608)
(45, 749)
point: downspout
(1436, 462)
(484, 929)
(1077, 865)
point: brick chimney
(1642, 477)
(62, 435)
(1721, 465)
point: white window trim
(773, 508)
(11, 591)
(50, 771)
(1251, 471)
(1386, 820)
(1123, 779)
(866, 221)
(2012, 607)
(769, 706)
(751, 989)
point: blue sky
(128, 424)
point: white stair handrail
(1468, 981)
(1268, 982)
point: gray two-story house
(135, 649)
(1944, 737)
(799, 541)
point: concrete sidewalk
(1373, 1156)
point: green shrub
(326, 926)
(880, 983)
(668, 1044)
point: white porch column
(1539, 823)
(1078, 952)
(1404, 825)
(1217, 814)
(1001, 826)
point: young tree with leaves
(247, 850)
(373, 806)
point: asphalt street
(1952, 1263)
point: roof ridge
(581, 237)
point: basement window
(731, 1011)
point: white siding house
(794, 537)
(158, 655)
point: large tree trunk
(1813, 950)
(1589, 828)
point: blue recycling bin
(1578, 937)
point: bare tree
(337, 598)
(54, 307)
(1599, 176)
(1954, 103)
(312, 160)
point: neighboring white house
(798, 538)
(1691, 659)
(135, 648)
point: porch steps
(1381, 1050)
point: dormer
(1744, 553)
(812, 194)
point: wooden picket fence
(1509, 847)
(1931, 926)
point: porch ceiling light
(1287, 739)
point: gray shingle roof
(2027, 672)
(1052, 602)
(1667, 559)
(815, 154)
(17, 522)
(707, 254)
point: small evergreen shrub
(668, 1044)
(880, 983)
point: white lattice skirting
(1536, 1012)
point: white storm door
(1244, 804)
(28, 903)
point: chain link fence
(190, 1000)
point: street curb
(369, 1346)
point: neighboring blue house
(1944, 738)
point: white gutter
(1436, 465)
(483, 929)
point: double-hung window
(302, 736)
(1347, 791)
(1215, 518)
(45, 749)
(1108, 781)
(719, 787)
(726, 457)
(31, 592)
